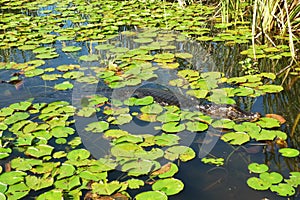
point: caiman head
(237, 114)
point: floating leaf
(106, 188)
(71, 49)
(39, 150)
(151, 195)
(258, 184)
(272, 177)
(89, 58)
(36, 183)
(196, 126)
(135, 183)
(12, 177)
(152, 109)
(289, 152)
(258, 168)
(169, 186)
(52, 194)
(265, 122)
(173, 127)
(180, 152)
(97, 126)
(283, 189)
(138, 167)
(63, 86)
(78, 154)
(236, 138)
(214, 161)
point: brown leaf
(162, 170)
(278, 117)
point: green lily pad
(97, 126)
(223, 123)
(272, 177)
(17, 191)
(78, 154)
(173, 127)
(68, 183)
(65, 170)
(196, 126)
(12, 177)
(60, 131)
(64, 86)
(89, 58)
(39, 150)
(258, 184)
(266, 122)
(214, 161)
(143, 40)
(71, 49)
(271, 88)
(236, 138)
(115, 133)
(169, 186)
(135, 183)
(151, 195)
(52, 194)
(180, 152)
(152, 109)
(138, 167)
(258, 168)
(164, 56)
(125, 149)
(166, 140)
(289, 152)
(106, 188)
(4, 152)
(198, 93)
(36, 183)
(168, 117)
(283, 189)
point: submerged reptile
(166, 97)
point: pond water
(131, 59)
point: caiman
(167, 97)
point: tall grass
(269, 18)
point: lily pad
(258, 184)
(180, 152)
(151, 195)
(169, 186)
(258, 168)
(173, 127)
(283, 189)
(71, 49)
(236, 138)
(97, 126)
(289, 152)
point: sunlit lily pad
(170, 186)
(196, 126)
(151, 195)
(173, 127)
(152, 109)
(258, 168)
(89, 58)
(258, 184)
(106, 188)
(272, 177)
(138, 167)
(71, 49)
(180, 152)
(36, 183)
(12, 177)
(97, 126)
(283, 189)
(265, 122)
(166, 139)
(236, 138)
(39, 150)
(64, 86)
(289, 152)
